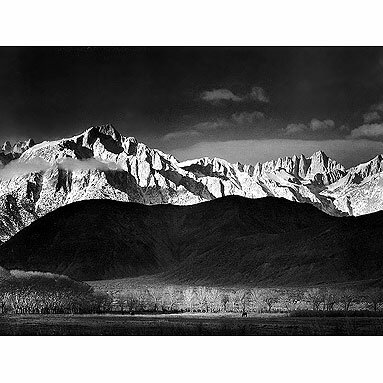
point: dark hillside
(266, 241)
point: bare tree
(270, 297)
(189, 296)
(157, 295)
(45, 293)
(101, 302)
(291, 299)
(5, 294)
(314, 297)
(245, 297)
(329, 297)
(133, 300)
(121, 301)
(201, 293)
(143, 299)
(225, 299)
(347, 297)
(375, 296)
(237, 299)
(214, 299)
(287, 302)
(256, 300)
(171, 296)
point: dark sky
(246, 104)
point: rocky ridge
(100, 163)
(9, 152)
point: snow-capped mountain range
(101, 163)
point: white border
(194, 359)
(198, 22)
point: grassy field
(186, 324)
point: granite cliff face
(102, 164)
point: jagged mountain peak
(204, 161)
(319, 154)
(18, 147)
(101, 163)
(6, 147)
(374, 161)
(110, 138)
(102, 141)
(108, 130)
(322, 159)
(366, 169)
(11, 152)
(317, 167)
(22, 146)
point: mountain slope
(91, 239)
(265, 241)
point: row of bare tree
(37, 293)
(204, 299)
(41, 295)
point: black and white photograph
(191, 191)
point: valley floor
(186, 324)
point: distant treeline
(45, 293)
(215, 300)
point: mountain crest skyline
(100, 163)
(109, 130)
